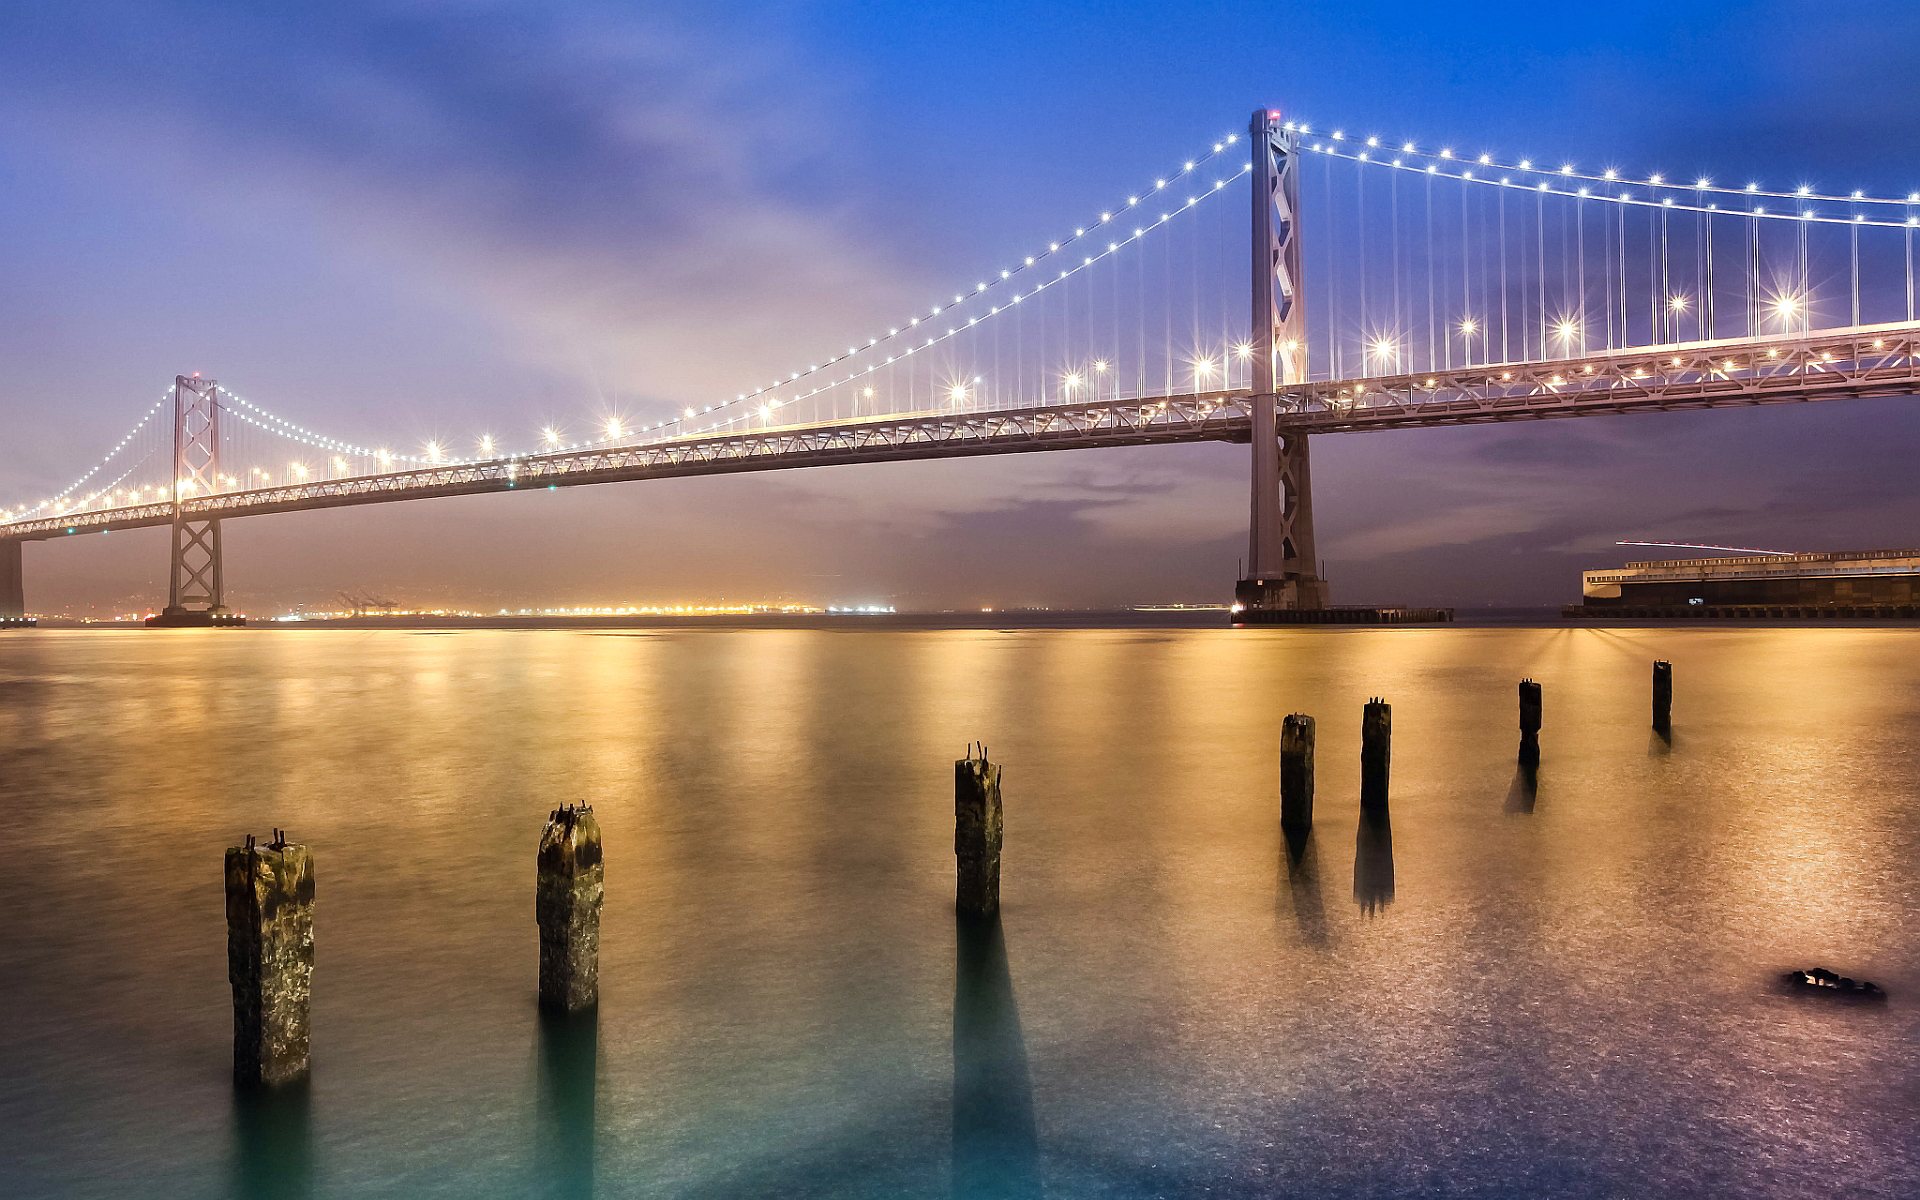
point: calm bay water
(1563, 992)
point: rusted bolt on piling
(270, 959)
(976, 833)
(569, 890)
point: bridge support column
(196, 590)
(1281, 565)
(13, 595)
(1282, 573)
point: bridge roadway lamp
(1281, 575)
(196, 582)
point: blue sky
(406, 220)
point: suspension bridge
(1447, 288)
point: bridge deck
(1876, 360)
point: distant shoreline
(1035, 619)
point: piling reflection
(1373, 863)
(1303, 886)
(273, 1142)
(569, 1056)
(996, 1152)
(1525, 788)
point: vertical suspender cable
(1505, 356)
(1360, 225)
(1397, 333)
(1708, 315)
(1854, 229)
(1540, 259)
(1433, 357)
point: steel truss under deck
(1867, 361)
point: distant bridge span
(1865, 361)
(1523, 264)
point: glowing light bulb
(1469, 327)
(1677, 303)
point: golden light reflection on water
(1568, 999)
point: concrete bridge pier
(13, 595)
(1282, 573)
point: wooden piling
(976, 833)
(1663, 696)
(270, 959)
(1376, 756)
(568, 892)
(1529, 722)
(1296, 774)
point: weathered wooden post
(270, 958)
(1663, 696)
(1376, 756)
(1529, 722)
(976, 833)
(567, 898)
(1296, 774)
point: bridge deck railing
(1863, 361)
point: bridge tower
(196, 584)
(1282, 571)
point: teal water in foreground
(1563, 989)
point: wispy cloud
(601, 182)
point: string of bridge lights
(1627, 198)
(1442, 162)
(1107, 218)
(955, 331)
(616, 430)
(1610, 177)
(288, 429)
(16, 514)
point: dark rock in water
(1827, 983)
